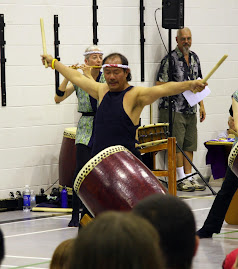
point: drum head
(70, 132)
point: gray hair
(185, 28)
(92, 48)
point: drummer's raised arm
(149, 95)
(88, 85)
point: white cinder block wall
(32, 124)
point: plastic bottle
(26, 199)
(33, 199)
(64, 198)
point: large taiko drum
(115, 180)
(67, 159)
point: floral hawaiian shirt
(181, 72)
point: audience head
(62, 254)
(117, 240)
(175, 224)
(230, 262)
(2, 247)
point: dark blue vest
(112, 124)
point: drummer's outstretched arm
(88, 85)
(151, 94)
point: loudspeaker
(172, 14)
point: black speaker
(172, 14)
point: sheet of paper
(194, 98)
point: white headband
(92, 52)
(116, 65)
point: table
(217, 155)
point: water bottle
(33, 199)
(26, 199)
(64, 198)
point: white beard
(186, 50)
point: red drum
(115, 180)
(67, 159)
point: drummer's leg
(220, 206)
(83, 154)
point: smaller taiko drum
(152, 132)
(67, 159)
(115, 180)
(233, 159)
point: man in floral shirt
(185, 66)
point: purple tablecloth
(216, 156)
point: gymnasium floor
(31, 238)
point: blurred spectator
(230, 261)
(62, 254)
(175, 224)
(117, 240)
(2, 247)
(227, 133)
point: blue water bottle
(26, 199)
(64, 198)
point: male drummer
(121, 104)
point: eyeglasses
(186, 38)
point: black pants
(217, 213)
(83, 155)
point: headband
(116, 65)
(92, 52)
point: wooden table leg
(172, 185)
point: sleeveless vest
(113, 126)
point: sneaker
(197, 185)
(185, 185)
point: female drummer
(217, 213)
(87, 105)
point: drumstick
(204, 80)
(214, 68)
(43, 39)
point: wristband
(53, 63)
(59, 92)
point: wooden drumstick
(204, 80)
(43, 39)
(214, 68)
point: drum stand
(171, 123)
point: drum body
(115, 180)
(152, 132)
(233, 159)
(67, 158)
